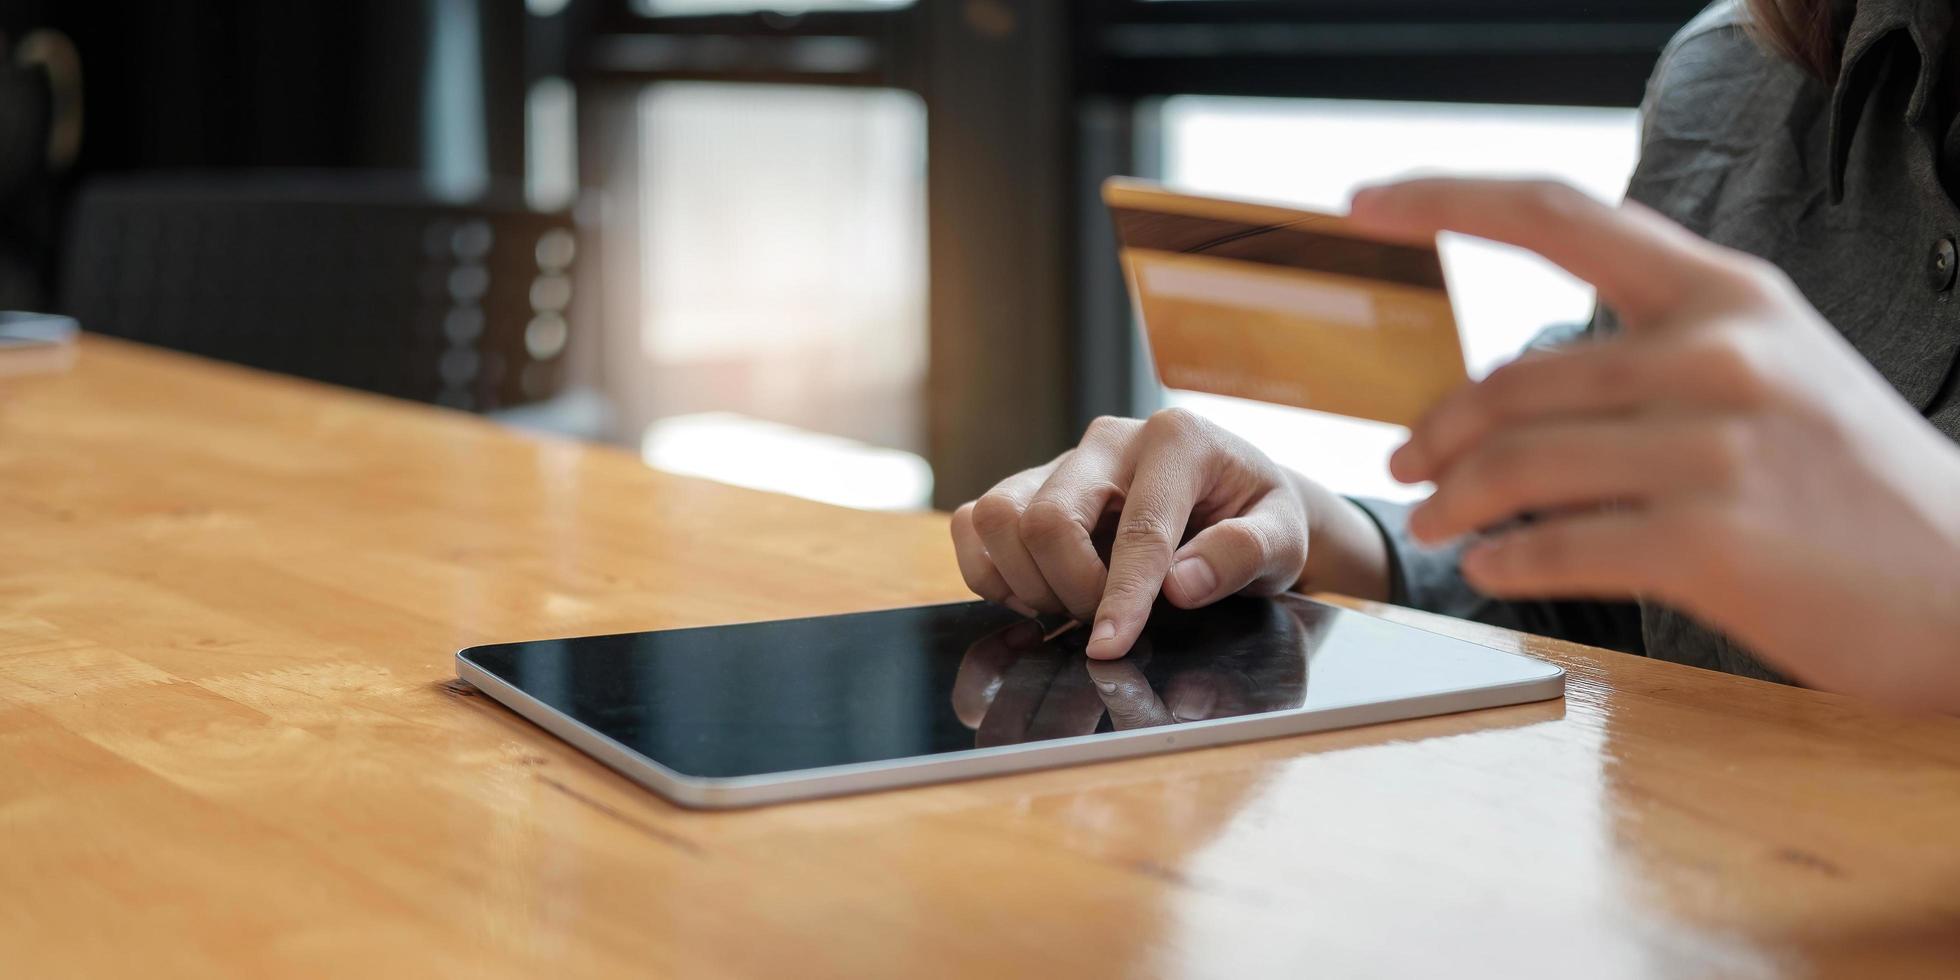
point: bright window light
(550, 144)
(763, 455)
(784, 247)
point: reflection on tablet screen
(1244, 656)
(773, 697)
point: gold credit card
(1283, 305)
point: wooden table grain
(231, 743)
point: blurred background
(851, 250)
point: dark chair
(358, 280)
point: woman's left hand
(1728, 453)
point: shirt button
(1940, 273)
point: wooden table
(231, 743)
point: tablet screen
(758, 698)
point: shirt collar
(1925, 24)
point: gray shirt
(1847, 188)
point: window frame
(1030, 329)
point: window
(1032, 105)
(783, 288)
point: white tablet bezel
(742, 791)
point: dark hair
(1807, 32)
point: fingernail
(1194, 578)
(1018, 606)
(1405, 463)
(1107, 687)
(1102, 642)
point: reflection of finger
(1071, 707)
(1020, 694)
(1127, 695)
(985, 663)
(1191, 697)
(1313, 623)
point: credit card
(1285, 305)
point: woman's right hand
(1185, 508)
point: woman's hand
(1179, 506)
(1728, 454)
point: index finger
(1162, 493)
(1639, 261)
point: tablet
(727, 716)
